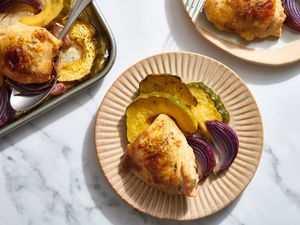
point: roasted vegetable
(141, 113)
(209, 107)
(102, 54)
(169, 84)
(6, 111)
(82, 35)
(50, 11)
(68, 5)
(20, 5)
(205, 158)
(1, 80)
(292, 11)
(33, 88)
(226, 144)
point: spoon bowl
(24, 103)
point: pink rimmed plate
(268, 51)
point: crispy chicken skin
(27, 53)
(161, 157)
(248, 18)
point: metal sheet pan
(100, 24)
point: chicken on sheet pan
(27, 53)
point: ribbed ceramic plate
(268, 51)
(217, 191)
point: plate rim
(142, 209)
(257, 56)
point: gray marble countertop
(49, 173)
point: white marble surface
(48, 168)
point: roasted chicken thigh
(27, 53)
(248, 18)
(161, 157)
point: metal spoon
(23, 103)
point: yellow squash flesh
(169, 84)
(205, 110)
(50, 11)
(83, 35)
(141, 113)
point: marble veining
(49, 172)
(293, 197)
(79, 199)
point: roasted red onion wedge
(56, 30)
(5, 5)
(6, 111)
(60, 88)
(205, 158)
(225, 142)
(31, 89)
(292, 11)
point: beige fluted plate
(269, 51)
(216, 192)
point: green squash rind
(216, 99)
(170, 84)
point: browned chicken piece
(248, 18)
(161, 157)
(27, 53)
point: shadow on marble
(117, 211)
(184, 36)
(47, 118)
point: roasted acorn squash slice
(51, 10)
(83, 35)
(169, 84)
(141, 113)
(209, 107)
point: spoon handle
(78, 8)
